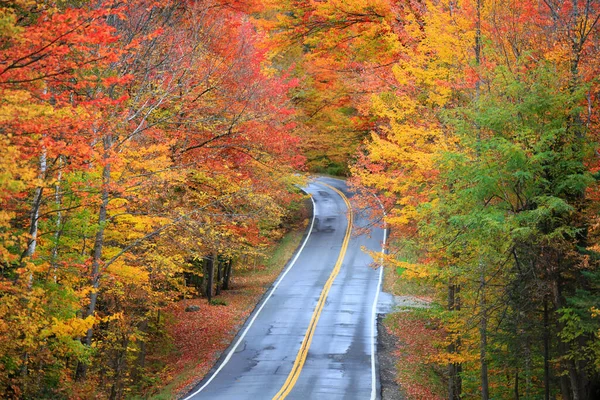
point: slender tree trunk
(120, 363)
(98, 246)
(219, 276)
(485, 389)
(194, 278)
(546, 351)
(574, 380)
(584, 381)
(210, 273)
(33, 232)
(454, 369)
(97, 252)
(33, 228)
(561, 346)
(35, 209)
(138, 370)
(57, 234)
(227, 274)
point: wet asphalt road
(339, 361)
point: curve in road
(313, 335)
(303, 353)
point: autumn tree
(484, 151)
(135, 136)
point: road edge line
(275, 286)
(374, 311)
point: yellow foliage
(14, 174)
(413, 270)
(128, 274)
(119, 316)
(70, 328)
(8, 24)
(20, 105)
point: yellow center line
(303, 352)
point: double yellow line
(308, 336)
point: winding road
(313, 336)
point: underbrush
(417, 334)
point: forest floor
(199, 338)
(406, 343)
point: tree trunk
(98, 246)
(58, 223)
(564, 388)
(485, 388)
(193, 278)
(138, 370)
(454, 369)
(210, 273)
(546, 351)
(574, 380)
(219, 276)
(97, 252)
(119, 365)
(33, 233)
(35, 209)
(227, 274)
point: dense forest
(146, 144)
(142, 142)
(476, 123)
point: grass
(201, 337)
(284, 251)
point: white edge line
(374, 313)
(234, 348)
